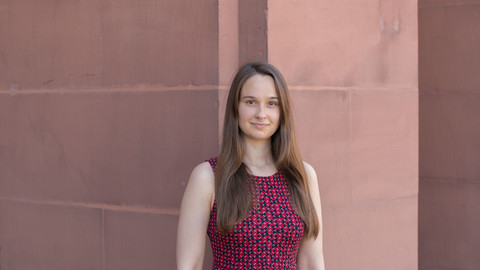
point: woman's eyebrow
(244, 97)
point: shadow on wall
(449, 199)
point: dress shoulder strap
(213, 162)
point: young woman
(258, 201)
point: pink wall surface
(352, 68)
(449, 199)
(107, 105)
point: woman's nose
(260, 111)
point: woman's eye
(250, 102)
(272, 103)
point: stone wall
(107, 105)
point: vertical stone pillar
(252, 31)
(449, 200)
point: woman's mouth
(259, 125)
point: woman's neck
(258, 157)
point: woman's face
(258, 108)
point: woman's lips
(258, 125)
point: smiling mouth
(258, 125)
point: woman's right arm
(194, 217)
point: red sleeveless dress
(268, 238)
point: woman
(258, 201)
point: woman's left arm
(310, 253)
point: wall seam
(218, 43)
(265, 18)
(350, 193)
(449, 180)
(103, 240)
(111, 90)
(101, 42)
(99, 206)
(155, 88)
(219, 59)
(451, 91)
(447, 5)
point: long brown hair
(233, 188)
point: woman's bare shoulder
(203, 171)
(311, 175)
(309, 168)
(202, 178)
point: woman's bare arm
(310, 253)
(194, 217)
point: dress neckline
(266, 176)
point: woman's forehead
(259, 85)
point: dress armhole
(213, 163)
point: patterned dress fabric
(268, 238)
